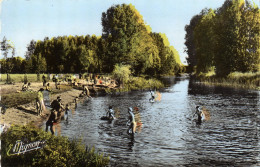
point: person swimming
(152, 96)
(110, 113)
(131, 122)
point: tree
(5, 46)
(121, 73)
(190, 41)
(36, 64)
(237, 24)
(129, 39)
(204, 40)
(227, 39)
(30, 49)
(249, 34)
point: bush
(121, 73)
(58, 151)
(136, 83)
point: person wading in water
(131, 122)
(56, 105)
(110, 113)
(52, 119)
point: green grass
(63, 88)
(15, 99)
(58, 151)
(139, 83)
(17, 78)
(236, 79)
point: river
(167, 133)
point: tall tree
(129, 39)
(190, 41)
(30, 49)
(5, 47)
(234, 34)
(204, 40)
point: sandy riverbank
(24, 114)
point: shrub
(58, 151)
(121, 73)
(136, 83)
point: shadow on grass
(27, 111)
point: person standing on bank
(39, 102)
(44, 80)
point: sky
(26, 20)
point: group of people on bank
(57, 108)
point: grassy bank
(139, 83)
(17, 78)
(236, 79)
(58, 151)
(11, 98)
(15, 99)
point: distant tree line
(224, 40)
(125, 40)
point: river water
(167, 132)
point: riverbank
(26, 113)
(235, 80)
(21, 107)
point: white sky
(24, 20)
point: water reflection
(167, 133)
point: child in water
(66, 115)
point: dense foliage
(225, 40)
(125, 39)
(58, 151)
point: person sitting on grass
(48, 88)
(24, 87)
